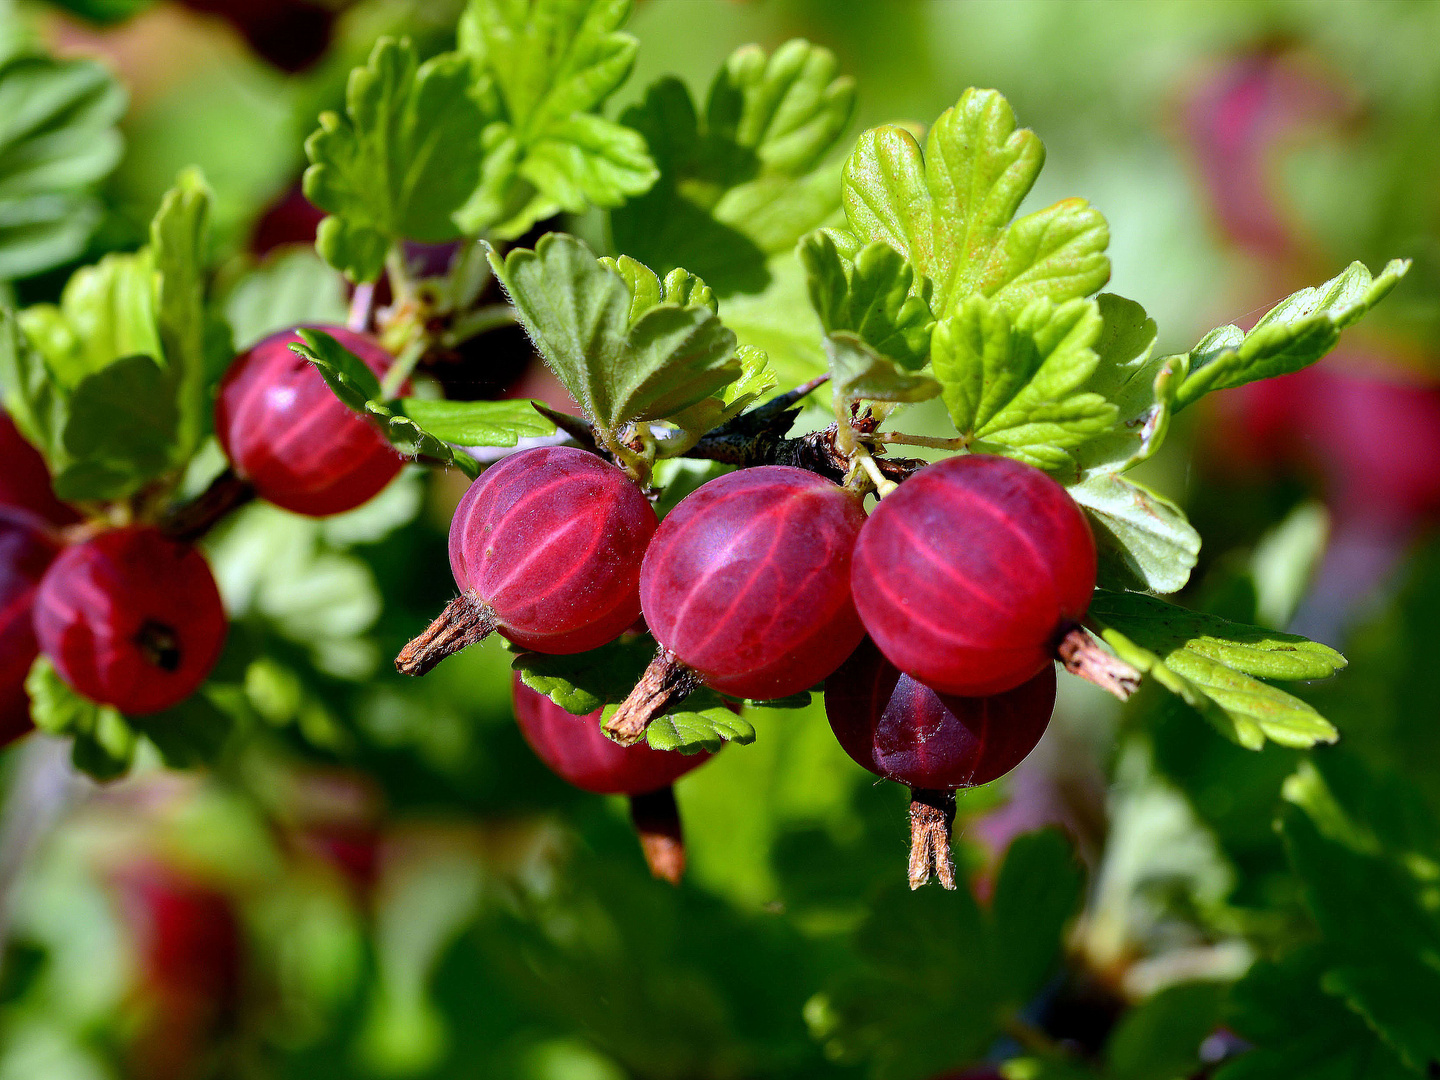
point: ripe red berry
(546, 549)
(26, 550)
(292, 439)
(25, 478)
(575, 749)
(747, 581)
(968, 576)
(131, 619)
(902, 730)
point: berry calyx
(574, 749)
(131, 619)
(26, 551)
(746, 587)
(292, 439)
(546, 549)
(934, 744)
(970, 575)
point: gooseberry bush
(842, 422)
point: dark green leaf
(1160, 1038)
(1293, 334)
(949, 210)
(191, 734)
(746, 180)
(349, 376)
(544, 68)
(403, 159)
(1037, 892)
(120, 432)
(1211, 664)
(57, 140)
(583, 682)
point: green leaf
(545, 67)
(1160, 1038)
(179, 235)
(747, 179)
(104, 744)
(1293, 334)
(1212, 664)
(33, 396)
(1013, 381)
(399, 163)
(755, 381)
(295, 288)
(578, 312)
(120, 432)
(701, 722)
(1298, 1030)
(190, 734)
(859, 372)
(359, 389)
(871, 296)
(58, 139)
(478, 423)
(949, 210)
(1143, 539)
(1375, 899)
(1036, 893)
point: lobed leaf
(58, 139)
(701, 722)
(1293, 334)
(545, 67)
(402, 160)
(859, 372)
(949, 210)
(1212, 664)
(1013, 380)
(870, 296)
(745, 180)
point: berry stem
(226, 492)
(657, 823)
(932, 813)
(666, 683)
(1082, 655)
(465, 621)
(362, 306)
(961, 443)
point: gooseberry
(131, 619)
(26, 550)
(546, 549)
(295, 441)
(25, 478)
(971, 573)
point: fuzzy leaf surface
(1293, 334)
(870, 296)
(949, 210)
(544, 68)
(357, 387)
(621, 356)
(1215, 666)
(58, 139)
(743, 181)
(399, 163)
(1013, 380)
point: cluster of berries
(130, 615)
(934, 621)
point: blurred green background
(381, 880)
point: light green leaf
(747, 179)
(871, 296)
(295, 288)
(1285, 560)
(859, 372)
(357, 387)
(780, 321)
(1012, 380)
(755, 381)
(32, 394)
(701, 722)
(478, 423)
(1293, 334)
(546, 67)
(399, 163)
(1143, 539)
(104, 744)
(1212, 665)
(578, 312)
(179, 235)
(58, 139)
(949, 210)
